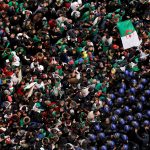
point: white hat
(74, 5)
(5, 38)
(7, 61)
(40, 67)
(90, 115)
(13, 52)
(80, 2)
(76, 13)
(44, 18)
(7, 92)
(71, 111)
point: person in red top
(7, 71)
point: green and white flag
(128, 34)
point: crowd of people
(66, 83)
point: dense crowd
(66, 83)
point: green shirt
(135, 69)
(11, 3)
(84, 43)
(79, 49)
(60, 41)
(104, 89)
(63, 47)
(85, 16)
(98, 86)
(87, 5)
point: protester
(66, 80)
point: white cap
(13, 52)
(76, 13)
(90, 115)
(7, 61)
(5, 38)
(71, 111)
(80, 2)
(40, 67)
(44, 18)
(74, 5)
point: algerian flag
(28, 86)
(30, 92)
(128, 34)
